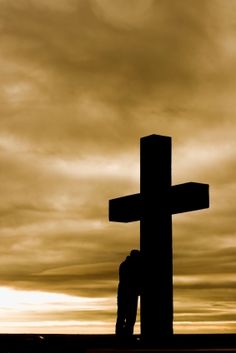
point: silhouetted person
(128, 292)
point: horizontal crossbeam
(189, 197)
(182, 198)
(125, 209)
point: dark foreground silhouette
(128, 293)
(50, 343)
(153, 207)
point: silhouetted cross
(153, 207)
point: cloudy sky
(81, 82)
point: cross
(153, 207)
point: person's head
(134, 253)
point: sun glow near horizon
(36, 311)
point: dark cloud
(86, 79)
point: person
(128, 293)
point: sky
(81, 82)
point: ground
(111, 344)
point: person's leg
(121, 313)
(120, 323)
(131, 313)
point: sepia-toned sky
(81, 82)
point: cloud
(104, 75)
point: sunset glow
(35, 312)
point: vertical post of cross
(156, 237)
